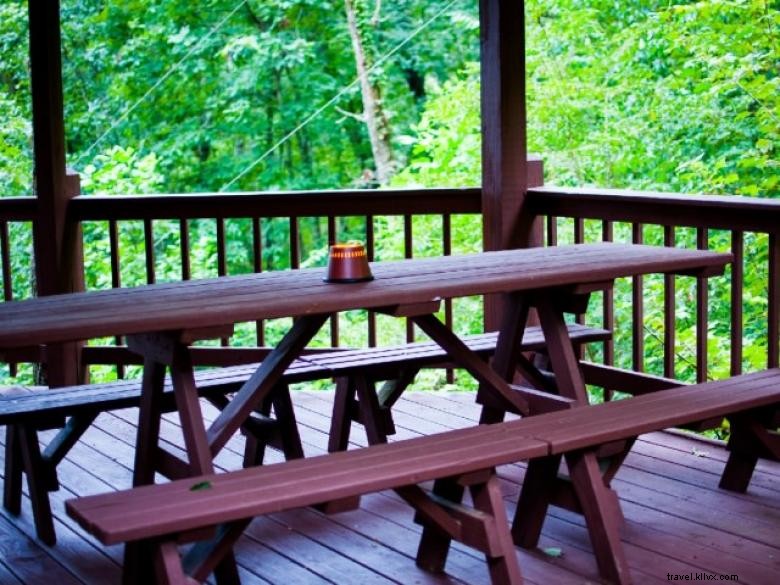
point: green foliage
(638, 94)
(642, 95)
(682, 98)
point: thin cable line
(162, 79)
(336, 97)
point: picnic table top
(293, 293)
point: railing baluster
(149, 247)
(221, 261)
(257, 253)
(552, 230)
(446, 246)
(579, 230)
(669, 309)
(8, 290)
(408, 253)
(702, 311)
(370, 252)
(608, 304)
(737, 279)
(334, 318)
(773, 324)
(184, 238)
(295, 248)
(221, 254)
(579, 238)
(637, 310)
(116, 277)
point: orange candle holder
(348, 263)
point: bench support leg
(534, 500)
(435, 544)
(289, 437)
(35, 469)
(216, 555)
(14, 468)
(602, 516)
(371, 413)
(167, 563)
(284, 437)
(483, 527)
(341, 420)
(750, 440)
(502, 563)
(138, 563)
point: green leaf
(199, 487)
(553, 551)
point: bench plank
(182, 508)
(23, 403)
(623, 419)
(28, 406)
(124, 516)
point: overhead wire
(336, 97)
(175, 67)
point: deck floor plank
(678, 521)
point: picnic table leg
(150, 411)
(510, 339)
(500, 392)
(262, 381)
(602, 516)
(190, 414)
(563, 359)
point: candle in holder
(348, 263)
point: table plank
(209, 302)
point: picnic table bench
(158, 517)
(27, 410)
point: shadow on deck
(678, 521)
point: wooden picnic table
(162, 320)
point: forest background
(260, 95)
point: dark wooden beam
(55, 240)
(504, 149)
(48, 142)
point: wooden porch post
(504, 149)
(56, 241)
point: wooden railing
(309, 222)
(661, 323)
(748, 227)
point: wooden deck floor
(678, 521)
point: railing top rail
(18, 208)
(706, 211)
(278, 204)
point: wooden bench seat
(156, 517)
(26, 410)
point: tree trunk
(373, 113)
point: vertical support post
(504, 150)
(56, 238)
